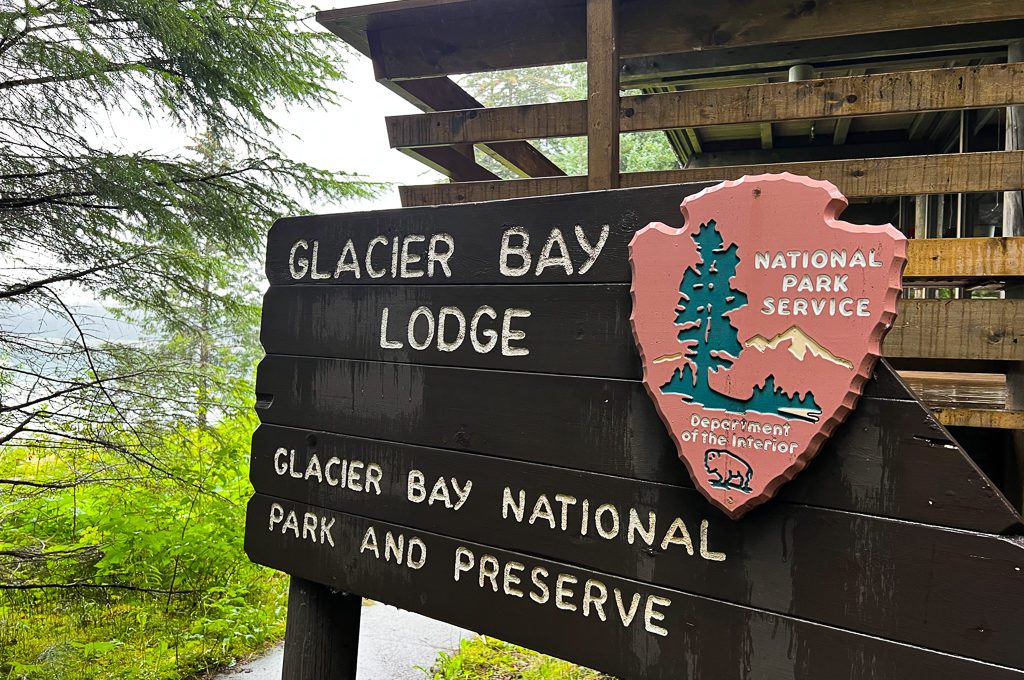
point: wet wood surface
(890, 556)
(890, 458)
(820, 98)
(671, 634)
(856, 178)
(969, 390)
(322, 635)
(477, 234)
(571, 329)
(462, 38)
(777, 559)
(477, 231)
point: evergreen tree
(159, 237)
(170, 241)
(711, 342)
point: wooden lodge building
(913, 108)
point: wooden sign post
(454, 422)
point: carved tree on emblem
(709, 339)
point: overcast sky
(350, 136)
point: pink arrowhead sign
(758, 324)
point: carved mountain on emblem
(800, 345)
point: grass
(484, 658)
(128, 637)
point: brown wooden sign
(453, 422)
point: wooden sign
(454, 422)
(758, 324)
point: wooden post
(1013, 225)
(602, 94)
(322, 635)
(1013, 210)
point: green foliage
(171, 591)
(171, 241)
(123, 460)
(485, 658)
(638, 151)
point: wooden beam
(859, 178)
(993, 85)
(443, 94)
(965, 258)
(1013, 205)
(602, 119)
(980, 417)
(988, 329)
(842, 127)
(924, 43)
(1013, 225)
(524, 158)
(481, 125)
(489, 37)
(766, 136)
(694, 138)
(473, 37)
(805, 154)
(875, 177)
(472, 192)
(451, 162)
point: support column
(920, 231)
(602, 94)
(1013, 206)
(1013, 225)
(321, 637)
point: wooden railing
(856, 178)
(903, 92)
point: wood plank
(859, 178)
(874, 177)
(880, 50)
(532, 121)
(958, 329)
(602, 94)
(901, 92)
(611, 427)
(690, 634)
(570, 330)
(825, 98)
(947, 386)
(979, 417)
(965, 258)
(451, 162)
(441, 94)
(973, 579)
(477, 232)
(476, 192)
(490, 37)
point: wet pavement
(392, 643)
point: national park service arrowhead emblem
(758, 324)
